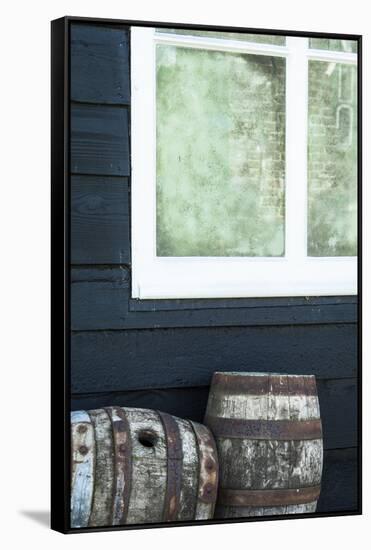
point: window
(244, 165)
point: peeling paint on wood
(83, 451)
(150, 467)
(123, 464)
(269, 438)
(101, 513)
(174, 467)
(191, 466)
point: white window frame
(295, 274)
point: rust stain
(122, 464)
(268, 497)
(280, 430)
(209, 467)
(174, 467)
(82, 428)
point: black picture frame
(61, 321)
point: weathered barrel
(268, 434)
(140, 466)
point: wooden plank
(97, 304)
(101, 512)
(337, 398)
(114, 360)
(190, 474)
(149, 469)
(338, 409)
(122, 464)
(100, 225)
(181, 402)
(83, 461)
(235, 303)
(99, 140)
(339, 481)
(100, 64)
(209, 472)
(174, 467)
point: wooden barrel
(140, 466)
(268, 434)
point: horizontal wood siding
(99, 221)
(339, 422)
(161, 353)
(339, 481)
(134, 359)
(101, 300)
(99, 64)
(99, 140)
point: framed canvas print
(206, 186)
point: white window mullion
(296, 148)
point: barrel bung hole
(147, 438)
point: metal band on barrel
(174, 467)
(268, 497)
(208, 464)
(281, 430)
(123, 464)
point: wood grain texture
(114, 309)
(236, 303)
(98, 359)
(148, 467)
(99, 140)
(83, 462)
(339, 422)
(100, 224)
(100, 64)
(191, 466)
(139, 359)
(122, 464)
(208, 478)
(248, 463)
(101, 511)
(339, 481)
(174, 465)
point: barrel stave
(208, 472)
(149, 467)
(190, 472)
(140, 466)
(257, 420)
(101, 512)
(83, 460)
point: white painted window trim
(295, 274)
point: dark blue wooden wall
(162, 353)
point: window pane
(334, 45)
(332, 159)
(258, 38)
(220, 153)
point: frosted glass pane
(334, 45)
(332, 160)
(258, 38)
(220, 153)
